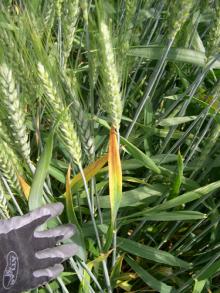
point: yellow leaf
(24, 186)
(89, 172)
(68, 180)
(69, 200)
(115, 175)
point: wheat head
(16, 116)
(56, 109)
(112, 103)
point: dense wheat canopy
(112, 108)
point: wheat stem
(105, 269)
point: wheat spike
(213, 38)
(3, 202)
(69, 17)
(58, 6)
(113, 102)
(14, 110)
(49, 15)
(178, 14)
(79, 116)
(55, 102)
(9, 166)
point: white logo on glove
(11, 270)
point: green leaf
(148, 278)
(57, 174)
(178, 177)
(151, 253)
(175, 54)
(36, 192)
(173, 216)
(199, 285)
(176, 120)
(210, 271)
(140, 156)
(188, 196)
(132, 197)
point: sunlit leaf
(115, 175)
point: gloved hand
(30, 258)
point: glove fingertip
(55, 209)
(50, 273)
(69, 231)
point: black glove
(30, 258)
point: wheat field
(112, 108)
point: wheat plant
(112, 108)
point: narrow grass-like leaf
(116, 271)
(90, 171)
(175, 216)
(140, 156)
(69, 201)
(84, 286)
(178, 177)
(57, 174)
(182, 199)
(188, 196)
(115, 175)
(175, 54)
(36, 192)
(199, 286)
(210, 271)
(134, 197)
(148, 278)
(176, 120)
(24, 186)
(151, 253)
(78, 236)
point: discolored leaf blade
(115, 175)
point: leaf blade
(115, 175)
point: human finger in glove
(30, 258)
